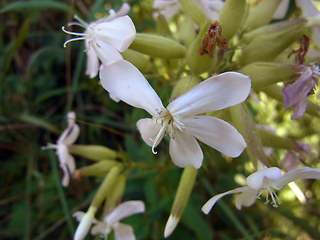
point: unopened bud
(141, 61)
(193, 10)
(93, 152)
(85, 224)
(99, 169)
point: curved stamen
(81, 21)
(72, 40)
(73, 33)
(159, 136)
(76, 24)
(49, 146)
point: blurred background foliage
(41, 81)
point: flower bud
(99, 169)
(138, 59)
(263, 74)
(85, 224)
(186, 31)
(181, 199)
(199, 63)
(261, 14)
(93, 152)
(117, 193)
(183, 85)
(157, 46)
(231, 16)
(270, 139)
(193, 10)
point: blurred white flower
(180, 119)
(267, 181)
(67, 138)
(112, 221)
(105, 38)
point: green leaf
(37, 4)
(39, 122)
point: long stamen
(72, 40)
(81, 21)
(49, 146)
(73, 33)
(76, 24)
(159, 135)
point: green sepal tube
(267, 47)
(162, 26)
(117, 193)
(193, 10)
(181, 199)
(106, 186)
(264, 74)
(93, 152)
(231, 16)
(244, 122)
(275, 92)
(141, 61)
(199, 63)
(261, 14)
(157, 46)
(270, 139)
(183, 85)
(186, 31)
(99, 169)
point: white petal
(282, 10)
(170, 225)
(119, 32)
(216, 133)
(71, 164)
(246, 198)
(125, 8)
(124, 232)
(256, 180)
(63, 154)
(84, 226)
(100, 228)
(299, 173)
(124, 81)
(218, 92)
(308, 9)
(66, 177)
(185, 150)
(106, 52)
(124, 210)
(212, 201)
(93, 64)
(73, 135)
(149, 129)
(78, 215)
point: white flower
(67, 138)
(169, 8)
(105, 38)
(267, 181)
(111, 221)
(180, 119)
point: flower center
(271, 195)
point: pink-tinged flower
(297, 93)
(180, 119)
(267, 180)
(67, 138)
(170, 8)
(110, 223)
(105, 38)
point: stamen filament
(49, 146)
(81, 21)
(159, 135)
(72, 40)
(73, 33)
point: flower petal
(149, 129)
(299, 173)
(93, 64)
(218, 92)
(256, 180)
(124, 232)
(216, 133)
(106, 52)
(185, 150)
(124, 81)
(66, 177)
(212, 201)
(307, 7)
(124, 210)
(246, 198)
(119, 32)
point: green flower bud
(117, 193)
(93, 152)
(183, 85)
(261, 14)
(186, 31)
(270, 139)
(192, 9)
(181, 199)
(99, 169)
(264, 74)
(140, 60)
(157, 46)
(199, 63)
(231, 16)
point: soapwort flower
(67, 138)
(297, 93)
(112, 221)
(267, 180)
(105, 38)
(180, 119)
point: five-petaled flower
(111, 221)
(267, 181)
(180, 119)
(297, 93)
(67, 138)
(105, 38)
